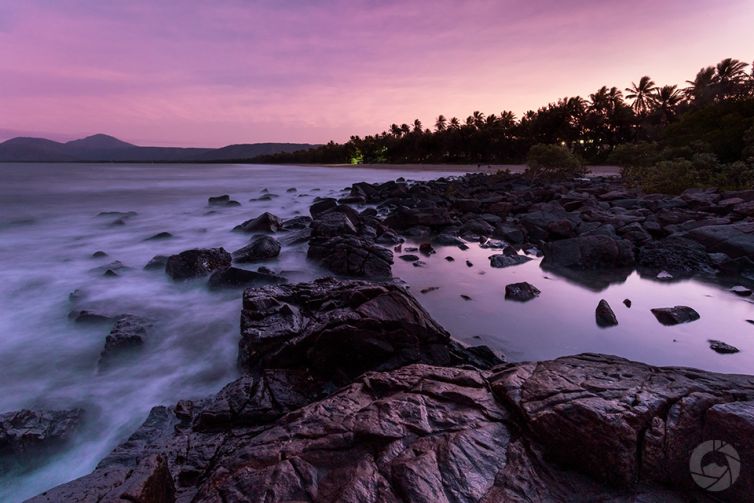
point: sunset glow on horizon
(195, 73)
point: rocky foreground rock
(351, 392)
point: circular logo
(714, 465)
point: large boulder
(261, 248)
(622, 422)
(339, 329)
(676, 255)
(196, 263)
(26, 434)
(589, 252)
(736, 240)
(126, 337)
(352, 256)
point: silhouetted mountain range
(105, 148)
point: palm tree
(405, 128)
(441, 123)
(600, 100)
(666, 100)
(454, 123)
(396, 130)
(730, 77)
(417, 126)
(641, 94)
(700, 90)
(478, 118)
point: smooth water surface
(49, 228)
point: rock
(627, 303)
(266, 222)
(741, 291)
(261, 248)
(721, 347)
(295, 223)
(352, 256)
(447, 240)
(429, 289)
(99, 254)
(521, 292)
(322, 205)
(338, 221)
(450, 259)
(156, 262)
(509, 233)
(234, 277)
(403, 218)
(126, 337)
(87, 316)
(675, 315)
(469, 264)
(426, 249)
(196, 263)
(604, 315)
(222, 201)
(504, 260)
(409, 257)
(620, 421)
(114, 267)
(339, 329)
(159, 236)
(736, 240)
(26, 435)
(676, 255)
(589, 252)
(465, 297)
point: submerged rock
(604, 315)
(126, 337)
(26, 434)
(521, 292)
(675, 315)
(721, 347)
(196, 263)
(261, 248)
(159, 236)
(158, 262)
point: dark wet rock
(510, 233)
(196, 263)
(736, 240)
(335, 223)
(295, 223)
(627, 303)
(404, 218)
(322, 205)
(388, 237)
(158, 262)
(426, 249)
(521, 292)
(222, 201)
(352, 256)
(589, 252)
(339, 329)
(449, 258)
(261, 248)
(429, 289)
(266, 222)
(99, 254)
(159, 236)
(115, 267)
(676, 255)
(447, 240)
(505, 260)
(409, 257)
(234, 277)
(465, 297)
(741, 291)
(604, 315)
(119, 215)
(126, 337)
(675, 315)
(110, 274)
(622, 422)
(722, 347)
(26, 435)
(469, 264)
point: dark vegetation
(666, 138)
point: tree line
(589, 127)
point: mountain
(106, 148)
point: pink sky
(211, 73)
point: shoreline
(598, 170)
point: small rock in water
(419, 263)
(664, 275)
(409, 257)
(429, 289)
(126, 336)
(197, 262)
(85, 316)
(411, 249)
(261, 248)
(504, 260)
(721, 347)
(465, 297)
(449, 258)
(741, 291)
(156, 263)
(110, 274)
(627, 303)
(99, 254)
(675, 315)
(469, 264)
(291, 189)
(521, 292)
(426, 249)
(266, 222)
(159, 236)
(223, 200)
(604, 315)
(750, 321)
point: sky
(215, 72)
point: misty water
(50, 225)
